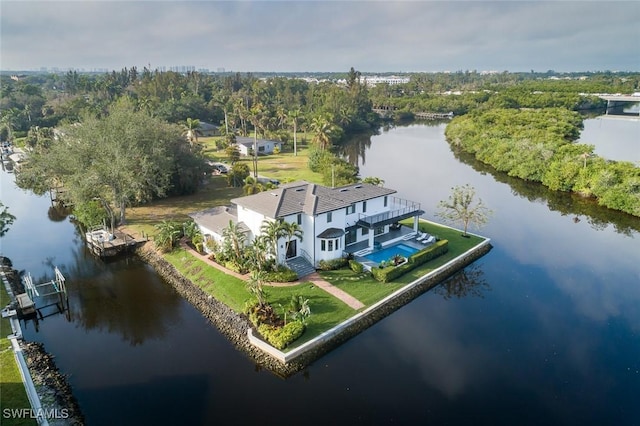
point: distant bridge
(386, 111)
(618, 102)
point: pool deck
(316, 347)
(404, 235)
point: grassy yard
(369, 291)
(214, 193)
(12, 390)
(285, 166)
(327, 311)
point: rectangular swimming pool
(388, 252)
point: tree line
(539, 145)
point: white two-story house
(333, 220)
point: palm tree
(291, 230)
(322, 127)
(222, 99)
(191, 127)
(258, 119)
(235, 237)
(294, 116)
(259, 253)
(252, 186)
(255, 286)
(168, 234)
(272, 231)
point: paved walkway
(314, 278)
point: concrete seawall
(237, 328)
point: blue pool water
(388, 252)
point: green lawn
(12, 390)
(225, 288)
(369, 291)
(326, 310)
(285, 166)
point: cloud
(324, 36)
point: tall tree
(291, 230)
(295, 115)
(323, 129)
(124, 158)
(192, 127)
(273, 231)
(462, 207)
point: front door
(292, 249)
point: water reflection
(567, 204)
(121, 300)
(355, 150)
(468, 282)
(58, 212)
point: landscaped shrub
(333, 264)
(281, 337)
(235, 267)
(356, 266)
(282, 275)
(390, 273)
(431, 252)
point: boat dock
(103, 243)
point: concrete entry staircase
(301, 266)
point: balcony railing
(398, 209)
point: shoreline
(236, 327)
(53, 393)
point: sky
(327, 36)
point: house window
(364, 207)
(379, 230)
(299, 219)
(330, 245)
(365, 231)
(329, 217)
(261, 149)
(351, 237)
(323, 245)
(337, 244)
(385, 201)
(351, 209)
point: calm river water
(545, 329)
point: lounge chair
(421, 235)
(430, 239)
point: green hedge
(281, 337)
(392, 272)
(333, 264)
(431, 252)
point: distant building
(245, 145)
(208, 129)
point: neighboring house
(332, 219)
(208, 129)
(245, 145)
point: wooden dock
(105, 244)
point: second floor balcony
(398, 209)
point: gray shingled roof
(217, 219)
(309, 198)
